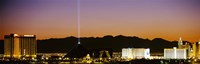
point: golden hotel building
(16, 46)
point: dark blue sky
(169, 19)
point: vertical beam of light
(78, 20)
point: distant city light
(28, 35)
(16, 35)
(199, 42)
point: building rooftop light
(28, 35)
(16, 35)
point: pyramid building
(78, 51)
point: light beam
(78, 20)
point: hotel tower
(17, 46)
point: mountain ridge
(63, 45)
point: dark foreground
(155, 61)
(139, 61)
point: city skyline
(168, 19)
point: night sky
(168, 19)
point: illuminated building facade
(127, 53)
(196, 48)
(135, 53)
(175, 53)
(141, 53)
(117, 55)
(187, 46)
(180, 43)
(16, 46)
(11, 45)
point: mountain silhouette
(64, 45)
(116, 43)
(1, 46)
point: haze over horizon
(167, 19)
